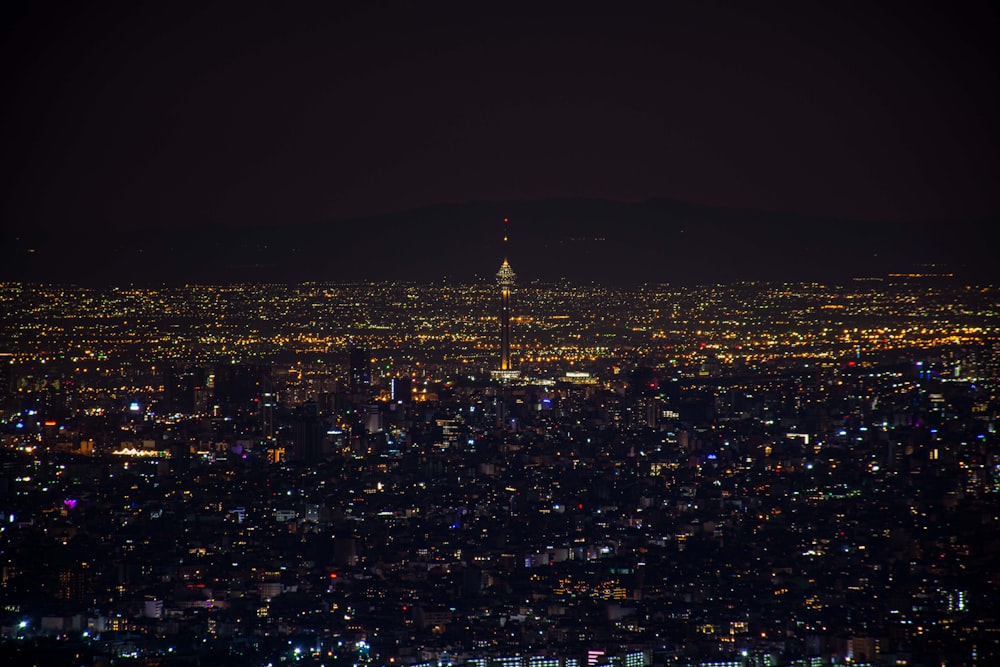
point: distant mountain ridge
(577, 239)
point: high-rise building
(308, 434)
(360, 374)
(6, 374)
(181, 388)
(238, 388)
(401, 389)
(76, 583)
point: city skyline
(782, 474)
(266, 399)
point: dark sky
(169, 114)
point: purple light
(70, 503)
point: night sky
(122, 115)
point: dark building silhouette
(181, 387)
(360, 373)
(239, 388)
(307, 446)
(401, 390)
(6, 380)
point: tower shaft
(505, 328)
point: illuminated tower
(505, 280)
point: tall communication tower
(505, 280)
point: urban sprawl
(336, 473)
